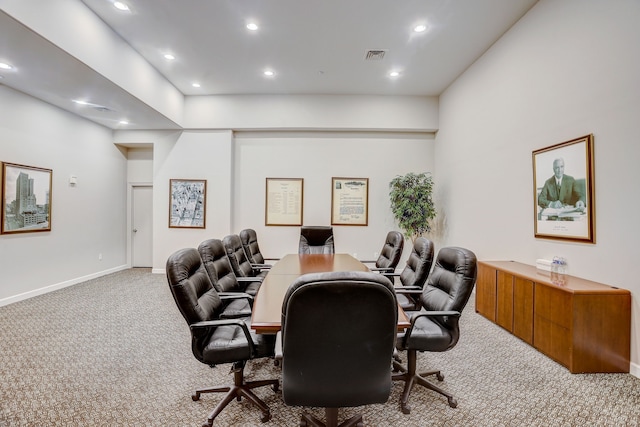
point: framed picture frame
(564, 191)
(284, 201)
(26, 198)
(187, 203)
(349, 201)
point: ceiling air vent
(375, 55)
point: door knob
(135, 230)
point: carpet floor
(115, 351)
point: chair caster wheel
(195, 397)
(453, 402)
(266, 416)
(276, 387)
(406, 409)
(439, 376)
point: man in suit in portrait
(560, 190)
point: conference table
(267, 306)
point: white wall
(317, 157)
(312, 112)
(566, 69)
(86, 220)
(61, 22)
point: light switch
(73, 180)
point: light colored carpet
(115, 351)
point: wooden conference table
(267, 306)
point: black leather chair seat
(428, 335)
(230, 343)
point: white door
(141, 226)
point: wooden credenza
(583, 325)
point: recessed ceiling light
(81, 102)
(169, 57)
(121, 6)
(5, 66)
(269, 73)
(420, 28)
(124, 122)
(394, 73)
(252, 26)
(195, 84)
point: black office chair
(338, 334)
(249, 240)
(218, 266)
(390, 253)
(215, 340)
(316, 240)
(435, 327)
(415, 274)
(238, 258)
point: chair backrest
(191, 288)
(316, 240)
(216, 263)
(419, 263)
(451, 282)
(238, 259)
(391, 251)
(338, 333)
(249, 240)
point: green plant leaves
(412, 203)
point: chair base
(332, 420)
(410, 378)
(238, 390)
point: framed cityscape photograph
(349, 201)
(563, 191)
(187, 203)
(26, 199)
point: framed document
(563, 191)
(187, 203)
(26, 198)
(349, 201)
(283, 201)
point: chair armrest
(225, 296)
(261, 266)
(209, 324)
(385, 270)
(408, 290)
(418, 314)
(278, 347)
(249, 279)
(272, 259)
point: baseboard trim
(61, 285)
(634, 369)
(158, 271)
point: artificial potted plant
(412, 203)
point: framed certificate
(283, 201)
(349, 201)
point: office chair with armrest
(414, 275)
(390, 253)
(249, 240)
(238, 258)
(338, 334)
(215, 340)
(435, 327)
(218, 266)
(316, 240)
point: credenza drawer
(554, 305)
(552, 340)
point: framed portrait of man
(563, 191)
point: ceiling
(312, 46)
